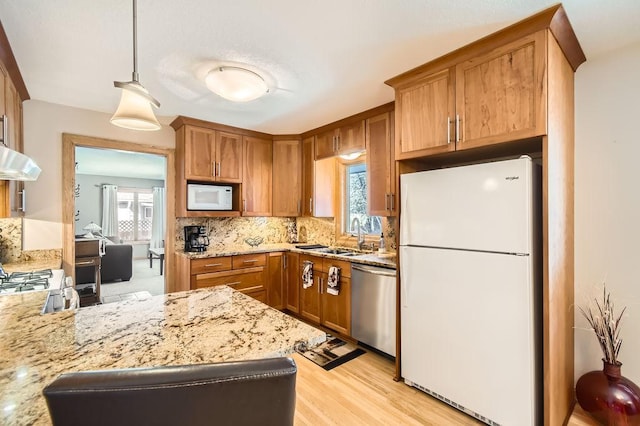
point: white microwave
(209, 197)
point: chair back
(255, 392)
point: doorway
(69, 144)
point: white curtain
(157, 220)
(110, 210)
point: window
(355, 201)
(135, 210)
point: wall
(44, 124)
(607, 201)
(89, 203)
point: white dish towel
(307, 275)
(333, 281)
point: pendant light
(135, 110)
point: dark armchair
(256, 392)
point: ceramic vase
(609, 397)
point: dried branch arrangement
(606, 325)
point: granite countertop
(366, 258)
(199, 326)
(32, 265)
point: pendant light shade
(236, 84)
(135, 110)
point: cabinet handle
(244, 205)
(219, 169)
(338, 143)
(233, 283)
(386, 201)
(250, 261)
(90, 262)
(393, 203)
(457, 127)
(319, 285)
(213, 169)
(5, 130)
(284, 261)
(299, 206)
(448, 130)
(311, 206)
(211, 265)
(23, 201)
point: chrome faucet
(359, 229)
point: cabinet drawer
(345, 267)
(247, 280)
(249, 260)
(87, 248)
(212, 264)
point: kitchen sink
(324, 249)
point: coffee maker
(195, 238)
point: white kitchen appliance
(470, 288)
(209, 197)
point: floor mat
(331, 353)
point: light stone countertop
(199, 326)
(32, 265)
(365, 258)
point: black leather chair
(256, 392)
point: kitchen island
(200, 326)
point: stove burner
(26, 281)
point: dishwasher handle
(372, 271)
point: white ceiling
(326, 59)
(112, 162)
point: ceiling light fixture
(236, 84)
(134, 111)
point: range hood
(17, 166)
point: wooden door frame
(69, 144)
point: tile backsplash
(10, 239)
(232, 231)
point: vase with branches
(606, 395)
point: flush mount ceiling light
(236, 84)
(134, 111)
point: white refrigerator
(470, 288)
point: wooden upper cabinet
(501, 96)
(229, 149)
(381, 185)
(345, 139)
(308, 175)
(199, 153)
(212, 156)
(287, 177)
(256, 182)
(424, 112)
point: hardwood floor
(363, 392)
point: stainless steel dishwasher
(373, 307)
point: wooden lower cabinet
(276, 292)
(245, 273)
(320, 307)
(292, 273)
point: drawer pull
(211, 265)
(250, 261)
(233, 283)
(90, 262)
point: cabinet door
(351, 138)
(310, 297)
(5, 189)
(324, 188)
(199, 153)
(287, 178)
(326, 144)
(424, 116)
(308, 175)
(500, 96)
(292, 275)
(276, 281)
(380, 166)
(228, 157)
(256, 183)
(336, 309)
